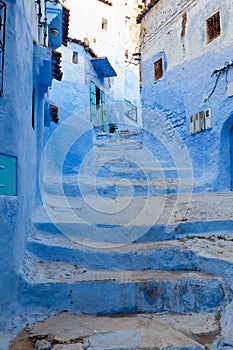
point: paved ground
(69, 331)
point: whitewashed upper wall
(162, 27)
(86, 22)
(31, 15)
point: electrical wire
(218, 72)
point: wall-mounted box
(8, 175)
(200, 121)
(230, 89)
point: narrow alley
(116, 175)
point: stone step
(65, 286)
(167, 255)
(69, 331)
(122, 144)
(122, 220)
(131, 150)
(121, 186)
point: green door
(103, 110)
(93, 103)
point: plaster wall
(132, 47)
(86, 22)
(72, 96)
(187, 82)
(17, 139)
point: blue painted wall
(24, 62)
(72, 96)
(188, 64)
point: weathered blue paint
(75, 95)
(186, 87)
(54, 20)
(128, 296)
(25, 63)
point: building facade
(100, 72)
(109, 28)
(187, 76)
(28, 66)
(84, 93)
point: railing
(2, 41)
(130, 111)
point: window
(213, 27)
(104, 23)
(158, 69)
(75, 57)
(200, 121)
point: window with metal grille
(158, 69)
(213, 27)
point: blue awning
(103, 68)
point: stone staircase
(119, 241)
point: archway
(225, 169)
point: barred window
(158, 69)
(213, 27)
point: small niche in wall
(104, 23)
(75, 57)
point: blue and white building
(100, 73)
(187, 76)
(109, 29)
(28, 63)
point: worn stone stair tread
(124, 183)
(76, 288)
(216, 206)
(107, 181)
(182, 254)
(38, 271)
(136, 331)
(56, 240)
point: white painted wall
(31, 15)
(162, 27)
